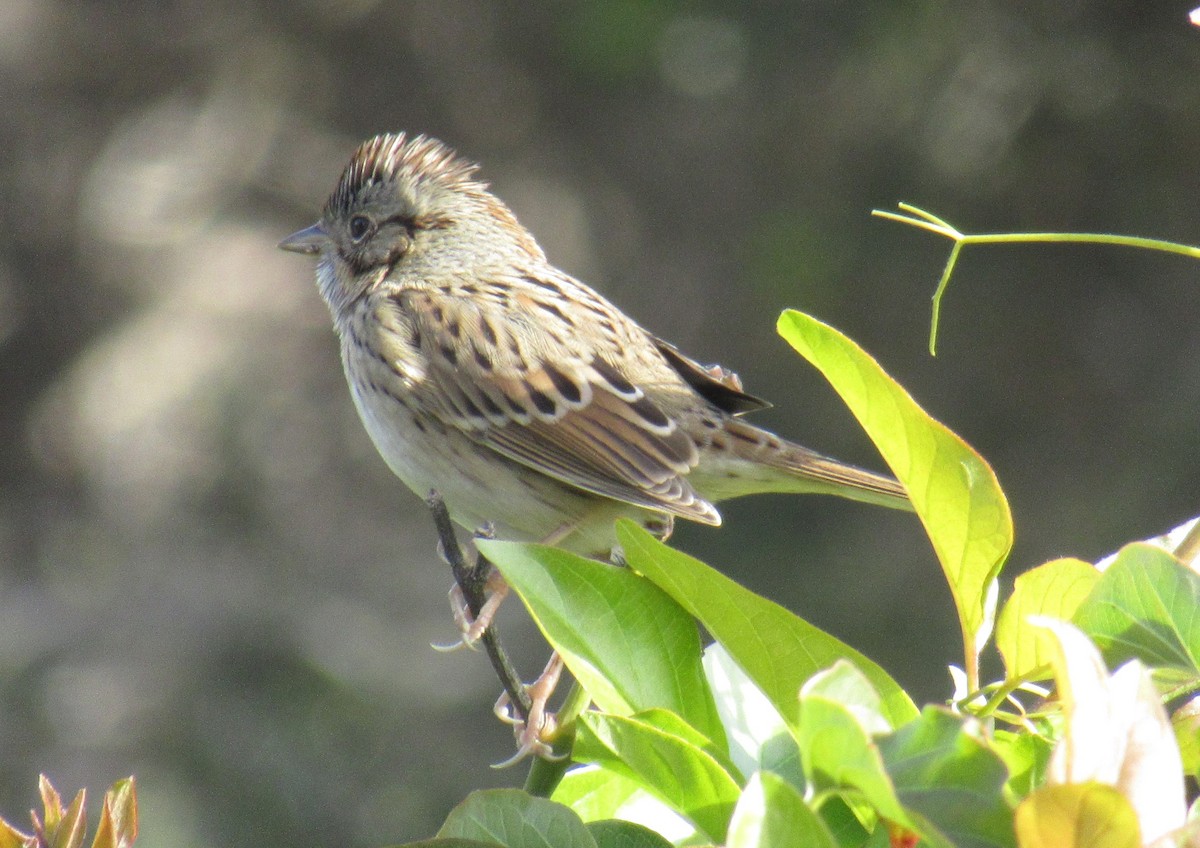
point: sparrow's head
(406, 205)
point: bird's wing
(719, 386)
(541, 380)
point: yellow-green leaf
(1080, 815)
(954, 491)
(1054, 589)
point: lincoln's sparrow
(527, 399)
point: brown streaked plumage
(523, 396)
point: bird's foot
(535, 734)
(471, 627)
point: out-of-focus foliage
(66, 827)
(208, 578)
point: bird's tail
(748, 460)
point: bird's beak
(309, 240)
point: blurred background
(207, 576)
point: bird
(528, 400)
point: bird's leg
(479, 591)
(467, 578)
(533, 733)
(472, 626)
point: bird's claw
(535, 734)
(471, 627)
(532, 736)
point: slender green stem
(919, 218)
(1184, 689)
(545, 774)
(997, 693)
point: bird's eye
(360, 225)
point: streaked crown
(419, 162)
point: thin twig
(471, 579)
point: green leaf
(449, 843)
(598, 793)
(844, 683)
(1079, 815)
(514, 819)
(771, 813)
(612, 833)
(944, 772)
(625, 641)
(952, 488)
(776, 649)
(1145, 606)
(679, 772)
(844, 823)
(673, 725)
(1026, 756)
(838, 754)
(758, 736)
(1054, 589)
(1185, 721)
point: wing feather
(509, 367)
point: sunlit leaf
(629, 645)
(1054, 589)
(758, 736)
(777, 649)
(771, 814)
(844, 683)
(10, 837)
(1083, 815)
(515, 819)
(953, 489)
(597, 793)
(838, 754)
(118, 826)
(452, 842)
(1026, 755)
(1186, 723)
(679, 772)
(1145, 606)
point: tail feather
(757, 461)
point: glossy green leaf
(1054, 589)
(629, 645)
(771, 814)
(612, 833)
(598, 793)
(1026, 756)
(944, 772)
(673, 725)
(1080, 815)
(953, 490)
(838, 754)
(515, 819)
(679, 772)
(1145, 606)
(777, 649)
(758, 736)
(449, 843)
(844, 821)
(844, 683)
